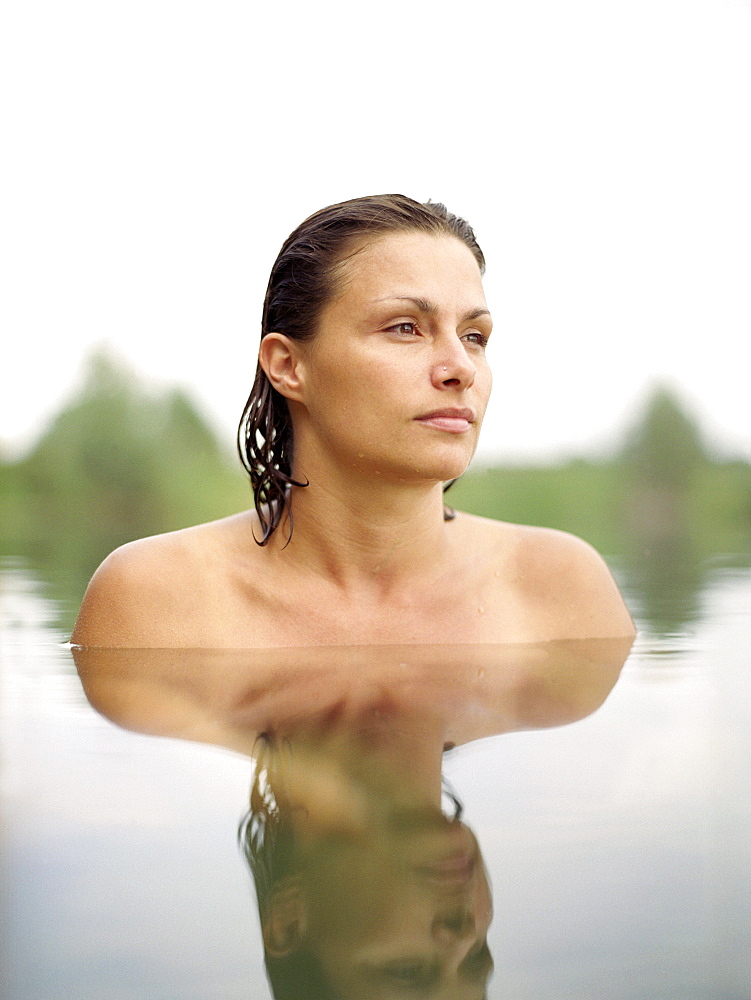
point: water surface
(617, 846)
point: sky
(159, 152)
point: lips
(455, 420)
(451, 857)
(454, 870)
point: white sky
(157, 153)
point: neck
(366, 753)
(372, 536)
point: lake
(617, 845)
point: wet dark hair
(305, 276)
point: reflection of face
(404, 912)
(403, 339)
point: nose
(453, 368)
(454, 926)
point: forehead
(412, 263)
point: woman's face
(395, 383)
(403, 913)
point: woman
(371, 387)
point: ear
(286, 919)
(279, 356)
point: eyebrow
(431, 309)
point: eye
(475, 337)
(406, 329)
(408, 974)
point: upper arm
(572, 581)
(127, 601)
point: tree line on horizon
(120, 462)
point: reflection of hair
(266, 833)
(298, 976)
(266, 836)
(304, 277)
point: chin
(444, 472)
(437, 465)
(452, 466)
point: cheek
(485, 375)
(356, 390)
(483, 386)
(337, 374)
(360, 902)
(483, 902)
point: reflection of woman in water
(366, 888)
(371, 387)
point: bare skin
(386, 403)
(212, 587)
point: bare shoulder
(156, 592)
(562, 581)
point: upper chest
(482, 596)
(468, 607)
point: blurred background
(155, 156)
(159, 153)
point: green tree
(119, 462)
(665, 447)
